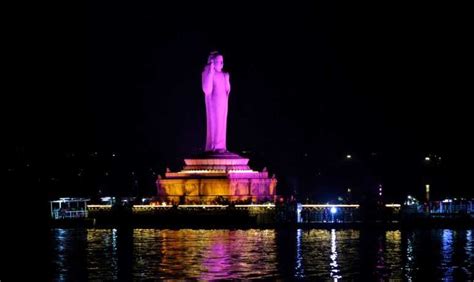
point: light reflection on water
(136, 254)
(447, 253)
(299, 270)
(333, 264)
(469, 251)
(204, 254)
(410, 257)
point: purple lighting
(216, 87)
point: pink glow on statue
(216, 87)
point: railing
(61, 214)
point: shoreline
(413, 224)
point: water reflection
(61, 241)
(333, 264)
(469, 251)
(447, 254)
(299, 270)
(205, 254)
(69, 245)
(317, 254)
(380, 267)
(393, 255)
(102, 256)
(409, 266)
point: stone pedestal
(212, 178)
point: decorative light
(329, 205)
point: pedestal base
(213, 177)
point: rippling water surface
(135, 254)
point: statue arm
(207, 79)
(227, 83)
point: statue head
(218, 60)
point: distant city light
(411, 201)
(348, 190)
(333, 210)
(349, 157)
(328, 205)
(427, 158)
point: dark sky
(383, 82)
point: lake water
(329, 254)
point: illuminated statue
(216, 174)
(216, 87)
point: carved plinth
(216, 177)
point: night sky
(311, 83)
